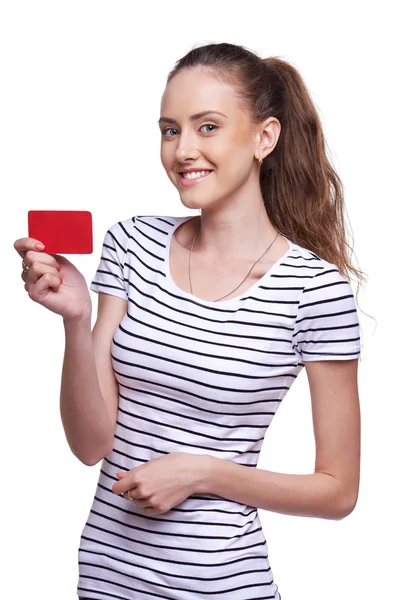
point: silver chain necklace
(190, 256)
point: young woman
(203, 325)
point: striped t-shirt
(200, 377)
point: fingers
(37, 270)
(32, 256)
(31, 251)
(22, 245)
(36, 290)
(140, 501)
(131, 494)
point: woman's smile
(190, 179)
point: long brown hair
(303, 194)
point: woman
(203, 325)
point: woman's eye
(166, 129)
(208, 125)
(174, 129)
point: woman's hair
(302, 192)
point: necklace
(190, 255)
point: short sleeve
(327, 325)
(110, 276)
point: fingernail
(58, 267)
(39, 246)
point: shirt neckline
(222, 303)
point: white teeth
(195, 175)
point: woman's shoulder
(153, 226)
(167, 220)
(153, 219)
(128, 224)
(307, 256)
(143, 228)
(317, 270)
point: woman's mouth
(190, 179)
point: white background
(81, 83)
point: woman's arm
(89, 392)
(331, 491)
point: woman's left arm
(330, 492)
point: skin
(234, 223)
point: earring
(260, 161)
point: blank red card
(62, 231)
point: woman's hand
(164, 482)
(53, 281)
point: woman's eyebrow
(193, 117)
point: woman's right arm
(89, 390)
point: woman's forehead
(194, 90)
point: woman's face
(224, 143)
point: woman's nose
(183, 153)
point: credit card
(62, 231)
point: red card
(62, 231)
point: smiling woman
(222, 312)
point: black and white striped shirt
(201, 377)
